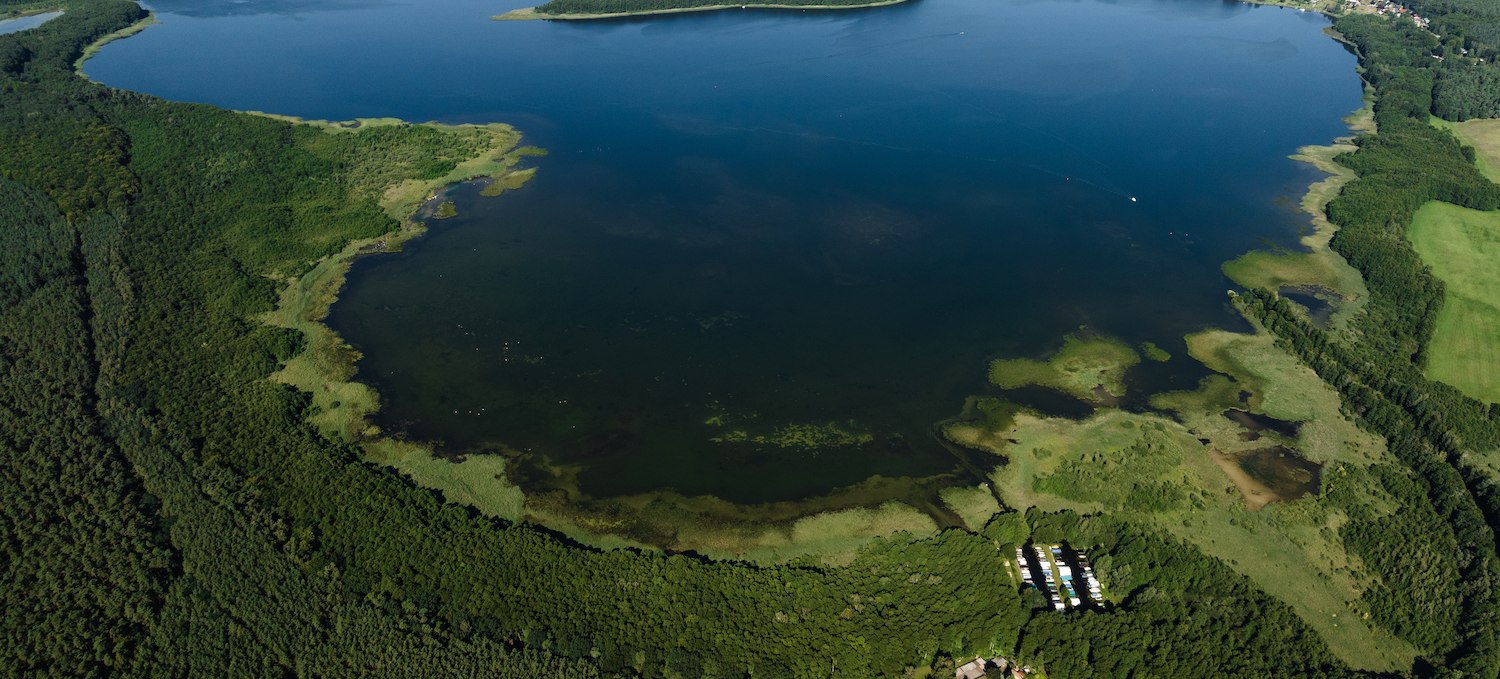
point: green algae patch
(1092, 369)
(1154, 353)
(509, 181)
(982, 424)
(1215, 393)
(1462, 246)
(809, 437)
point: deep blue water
(761, 221)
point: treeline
(1455, 59)
(1471, 24)
(17, 6)
(1417, 564)
(624, 6)
(1461, 499)
(1377, 365)
(1465, 90)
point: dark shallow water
(770, 249)
(1284, 471)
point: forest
(167, 510)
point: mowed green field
(1484, 136)
(1463, 248)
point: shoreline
(1318, 267)
(530, 13)
(704, 524)
(93, 48)
(325, 369)
(829, 528)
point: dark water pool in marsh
(770, 249)
(1286, 474)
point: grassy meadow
(1462, 247)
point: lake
(769, 250)
(26, 22)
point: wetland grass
(1090, 368)
(1247, 495)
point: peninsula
(577, 10)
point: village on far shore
(1386, 7)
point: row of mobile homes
(1065, 574)
(1088, 578)
(1024, 567)
(1044, 558)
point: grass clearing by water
(1462, 247)
(974, 504)
(476, 480)
(1091, 368)
(1282, 387)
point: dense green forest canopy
(167, 510)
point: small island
(574, 10)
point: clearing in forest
(1463, 248)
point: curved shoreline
(830, 527)
(326, 370)
(94, 47)
(827, 528)
(531, 13)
